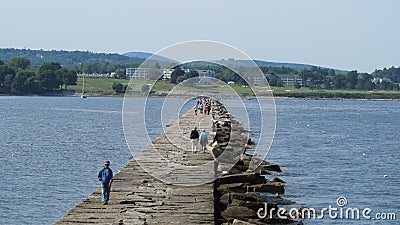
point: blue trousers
(105, 192)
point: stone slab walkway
(139, 198)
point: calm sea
(51, 149)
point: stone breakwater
(238, 192)
(182, 187)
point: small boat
(83, 88)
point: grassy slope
(290, 91)
(96, 86)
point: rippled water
(52, 148)
(340, 148)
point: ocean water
(340, 149)
(51, 149)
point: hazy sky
(343, 34)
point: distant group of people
(203, 105)
(194, 137)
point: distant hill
(77, 58)
(145, 55)
(66, 58)
(260, 63)
(295, 66)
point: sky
(342, 34)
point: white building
(206, 73)
(137, 73)
(290, 79)
(378, 80)
(143, 73)
(167, 73)
(95, 74)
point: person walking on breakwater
(194, 136)
(203, 140)
(106, 178)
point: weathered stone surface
(276, 179)
(270, 187)
(261, 170)
(275, 168)
(232, 187)
(255, 206)
(234, 212)
(251, 178)
(241, 222)
(241, 168)
(225, 199)
(259, 197)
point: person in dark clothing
(106, 178)
(194, 136)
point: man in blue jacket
(106, 179)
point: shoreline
(244, 97)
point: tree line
(353, 80)
(392, 73)
(67, 58)
(18, 77)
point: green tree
(19, 63)
(368, 85)
(48, 80)
(273, 82)
(327, 82)
(67, 77)
(4, 71)
(21, 84)
(351, 79)
(339, 81)
(178, 72)
(304, 76)
(120, 74)
(1, 62)
(360, 84)
(32, 86)
(70, 78)
(331, 72)
(9, 79)
(180, 79)
(60, 74)
(48, 76)
(52, 66)
(119, 88)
